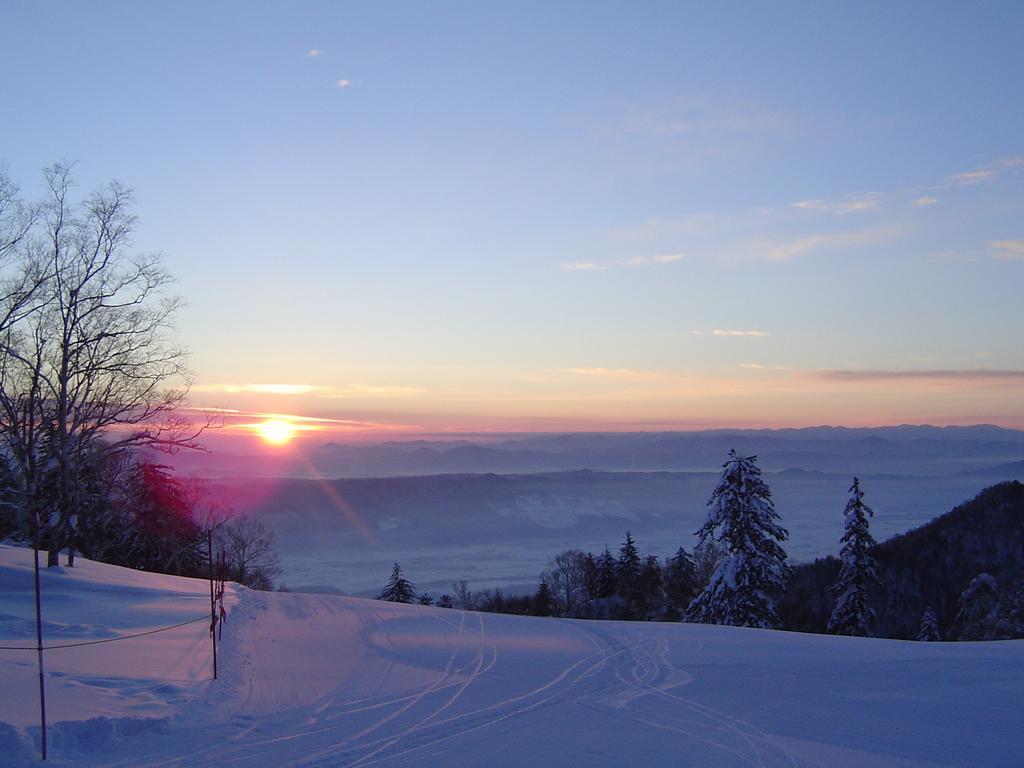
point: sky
(448, 217)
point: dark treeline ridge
(929, 567)
(136, 513)
(966, 567)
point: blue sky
(529, 216)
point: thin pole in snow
(213, 612)
(39, 635)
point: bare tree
(248, 545)
(566, 577)
(22, 279)
(16, 218)
(464, 596)
(89, 361)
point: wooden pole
(213, 611)
(39, 635)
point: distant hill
(927, 566)
(1013, 470)
(909, 450)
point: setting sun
(276, 431)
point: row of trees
(91, 384)
(89, 370)
(985, 614)
(735, 576)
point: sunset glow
(276, 431)
(683, 241)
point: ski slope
(313, 680)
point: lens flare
(276, 431)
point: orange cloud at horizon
(623, 399)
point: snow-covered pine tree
(979, 607)
(744, 586)
(929, 631)
(399, 589)
(852, 615)
(1010, 624)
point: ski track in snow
(611, 679)
(322, 682)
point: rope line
(98, 642)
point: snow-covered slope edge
(310, 680)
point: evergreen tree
(1011, 617)
(680, 583)
(542, 600)
(425, 599)
(627, 579)
(929, 631)
(591, 576)
(979, 605)
(628, 566)
(606, 578)
(743, 588)
(650, 591)
(445, 601)
(399, 589)
(852, 615)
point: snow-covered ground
(313, 680)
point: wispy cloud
(987, 172)
(759, 367)
(1008, 249)
(314, 53)
(343, 83)
(309, 390)
(841, 207)
(583, 266)
(689, 117)
(664, 258)
(970, 178)
(758, 334)
(263, 389)
(234, 419)
(827, 241)
(925, 200)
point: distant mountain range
(494, 509)
(917, 450)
